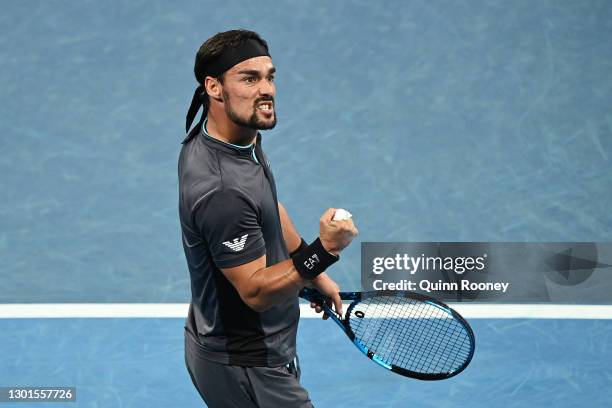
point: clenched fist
(336, 235)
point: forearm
(273, 285)
(290, 235)
(262, 287)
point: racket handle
(312, 295)
(315, 296)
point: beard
(252, 122)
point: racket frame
(313, 295)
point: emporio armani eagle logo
(236, 244)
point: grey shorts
(227, 386)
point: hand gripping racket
(408, 333)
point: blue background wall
(429, 120)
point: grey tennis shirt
(229, 216)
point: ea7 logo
(236, 244)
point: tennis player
(246, 260)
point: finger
(349, 227)
(337, 303)
(328, 215)
(318, 309)
(313, 305)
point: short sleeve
(229, 223)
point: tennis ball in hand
(341, 214)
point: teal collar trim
(240, 149)
(230, 144)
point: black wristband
(313, 260)
(303, 246)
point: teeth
(264, 106)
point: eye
(250, 79)
(271, 78)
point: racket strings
(411, 334)
(432, 354)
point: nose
(267, 88)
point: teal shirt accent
(231, 144)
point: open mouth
(266, 107)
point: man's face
(248, 93)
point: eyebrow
(255, 72)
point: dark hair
(215, 46)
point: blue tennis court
(479, 121)
(139, 363)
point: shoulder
(207, 174)
(199, 174)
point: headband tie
(230, 57)
(196, 102)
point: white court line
(179, 310)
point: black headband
(248, 49)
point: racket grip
(312, 295)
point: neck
(223, 129)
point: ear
(213, 88)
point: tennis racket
(408, 333)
